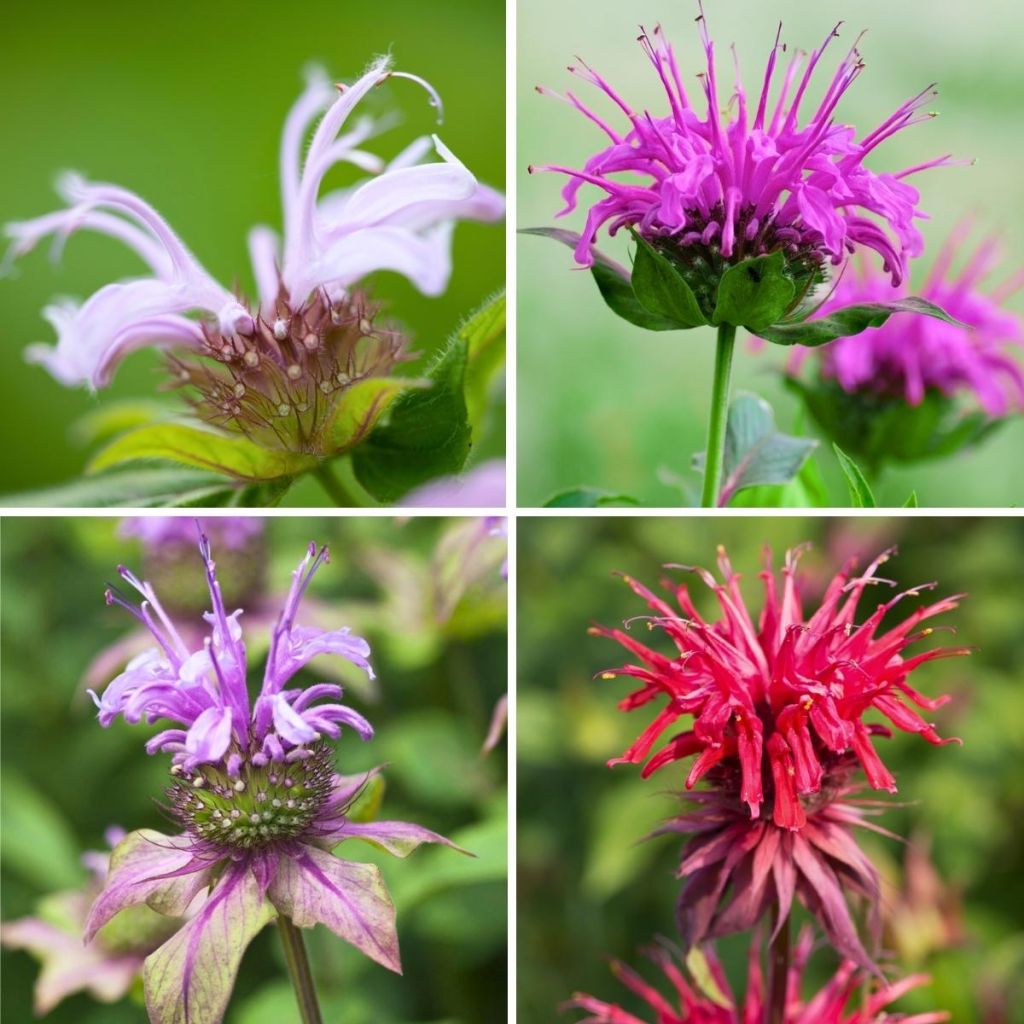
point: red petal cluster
(786, 697)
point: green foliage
(588, 497)
(860, 489)
(754, 293)
(756, 453)
(662, 290)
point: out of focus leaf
(34, 840)
(588, 497)
(860, 490)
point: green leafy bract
(754, 293)
(860, 490)
(588, 497)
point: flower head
(910, 356)
(781, 702)
(106, 967)
(839, 1001)
(709, 190)
(255, 793)
(275, 369)
(157, 532)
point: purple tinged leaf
(351, 899)
(399, 838)
(189, 978)
(149, 867)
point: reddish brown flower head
(785, 699)
(842, 1000)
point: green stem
(336, 490)
(719, 416)
(778, 976)
(298, 971)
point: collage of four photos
(508, 513)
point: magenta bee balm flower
(256, 795)
(709, 190)
(276, 369)
(910, 356)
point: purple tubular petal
(209, 736)
(148, 867)
(312, 887)
(189, 978)
(288, 724)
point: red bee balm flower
(783, 700)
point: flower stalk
(719, 415)
(298, 971)
(778, 978)
(342, 496)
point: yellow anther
(607, 675)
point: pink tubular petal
(209, 736)
(288, 724)
(312, 887)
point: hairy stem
(298, 971)
(719, 416)
(778, 976)
(336, 490)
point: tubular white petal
(423, 258)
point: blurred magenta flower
(273, 370)
(840, 1001)
(156, 532)
(482, 487)
(105, 967)
(909, 356)
(256, 795)
(781, 703)
(710, 191)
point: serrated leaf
(427, 433)
(361, 407)
(842, 323)
(588, 497)
(756, 453)
(754, 293)
(612, 281)
(860, 491)
(662, 290)
(137, 487)
(237, 457)
(484, 333)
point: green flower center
(260, 806)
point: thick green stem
(778, 976)
(719, 416)
(298, 971)
(336, 490)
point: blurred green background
(185, 105)
(588, 890)
(609, 405)
(436, 624)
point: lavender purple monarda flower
(710, 191)
(255, 792)
(276, 369)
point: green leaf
(613, 283)
(361, 407)
(860, 491)
(137, 487)
(662, 290)
(850, 320)
(756, 453)
(755, 293)
(703, 977)
(588, 497)
(107, 421)
(911, 502)
(34, 839)
(235, 456)
(484, 333)
(427, 434)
